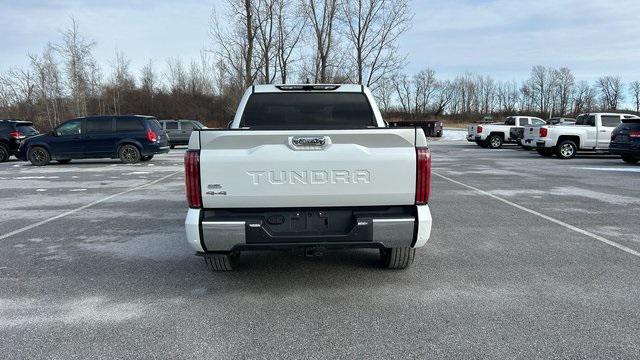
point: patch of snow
(35, 177)
(629, 169)
(453, 135)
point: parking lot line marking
(546, 217)
(70, 212)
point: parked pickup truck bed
(307, 166)
(495, 134)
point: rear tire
(64, 161)
(545, 152)
(146, 158)
(39, 156)
(397, 258)
(221, 262)
(566, 149)
(630, 159)
(129, 154)
(4, 153)
(494, 141)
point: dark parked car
(131, 138)
(12, 133)
(179, 131)
(430, 127)
(625, 140)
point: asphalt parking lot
(529, 257)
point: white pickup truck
(591, 132)
(309, 166)
(495, 134)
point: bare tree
(565, 82)
(540, 86)
(425, 85)
(445, 91)
(176, 76)
(634, 87)
(405, 93)
(383, 93)
(148, 79)
(611, 92)
(20, 89)
(508, 96)
(322, 16)
(75, 50)
(584, 98)
(121, 80)
(48, 85)
(266, 18)
(235, 46)
(373, 28)
(289, 32)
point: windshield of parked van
(308, 111)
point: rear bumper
(631, 148)
(471, 138)
(206, 235)
(155, 149)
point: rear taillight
(16, 135)
(423, 175)
(479, 131)
(543, 132)
(152, 136)
(192, 178)
(634, 134)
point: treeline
(547, 92)
(286, 41)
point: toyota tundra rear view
(309, 166)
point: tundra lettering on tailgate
(310, 177)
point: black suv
(12, 133)
(625, 140)
(131, 138)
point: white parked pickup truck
(310, 166)
(495, 134)
(591, 132)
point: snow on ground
(453, 135)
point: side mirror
(53, 133)
(229, 124)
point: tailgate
(307, 168)
(531, 132)
(471, 130)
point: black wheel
(566, 149)
(4, 153)
(630, 159)
(146, 158)
(129, 154)
(545, 152)
(39, 156)
(495, 141)
(64, 161)
(221, 262)
(397, 258)
(172, 147)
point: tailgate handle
(309, 142)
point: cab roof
(340, 88)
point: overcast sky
(502, 38)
